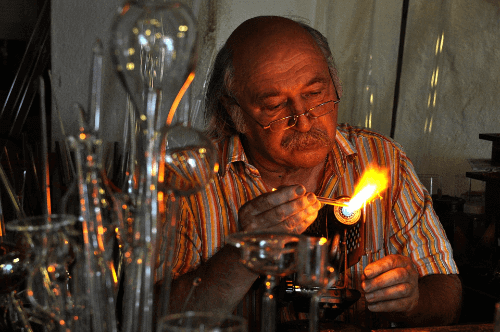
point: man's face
(284, 79)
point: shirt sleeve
(417, 231)
(186, 242)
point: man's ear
(235, 113)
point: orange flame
(373, 181)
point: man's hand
(288, 209)
(391, 285)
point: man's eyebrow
(317, 79)
(268, 94)
(276, 93)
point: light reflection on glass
(428, 124)
(368, 119)
(432, 98)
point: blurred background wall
(446, 88)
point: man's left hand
(391, 285)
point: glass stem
(139, 288)
(314, 312)
(269, 306)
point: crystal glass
(201, 322)
(13, 267)
(318, 267)
(432, 182)
(13, 273)
(153, 51)
(187, 163)
(97, 225)
(90, 199)
(56, 266)
(272, 255)
(187, 160)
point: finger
(272, 199)
(299, 221)
(400, 305)
(390, 278)
(292, 208)
(399, 291)
(292, 216)
(385, 264)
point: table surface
(453, 328)
(302, 325)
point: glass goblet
(13, 267)
(54, 271)
(187, 163)
(272, 255)
(317, 268)
(13, 272)
(190, 321)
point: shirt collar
(343, 142)
(343, 151)
(231, 150)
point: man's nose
(303, 122)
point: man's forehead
(266, 45)
(265, 33)
(261, 27)
(260, 93)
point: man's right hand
(288, 209)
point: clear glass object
(154, 54)
(55, 268)
(93, 206)
(201, 322)
(13, 274)
(97, 224)
(432, 182)
(318, 266)
(272, 255)
(153, 50)
(13, 267)
(187, 162)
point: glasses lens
(282, 124)
(315, 112)
(321, 110)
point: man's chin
(311, 147)
(310, 156)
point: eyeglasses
(291, 120)
(312, 113)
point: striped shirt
(401, 221)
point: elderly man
(272, 108)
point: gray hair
(222, 123)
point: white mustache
(301, 141)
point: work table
(453, 328)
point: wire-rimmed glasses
(312, 113)
(291, 120)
